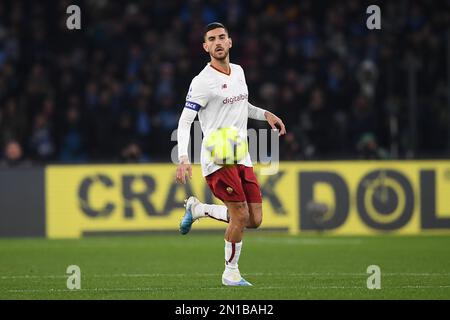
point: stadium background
(86, 118)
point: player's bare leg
(239, 215)
(255, 215)
(239, 219)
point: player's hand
(183, 168)
(273, 120)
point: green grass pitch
(189, 267)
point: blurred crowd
(113, 91)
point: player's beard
(221, 55)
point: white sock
(232, 253)
(214, 211)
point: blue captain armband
(192, 105)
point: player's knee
(241, 215)
(243, 218)
(255, 222)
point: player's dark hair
(214, 25)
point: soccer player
(219, 95)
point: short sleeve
(197, 96)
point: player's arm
(264, 115)
(183, 135)
(196, 98)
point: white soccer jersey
(221, 100)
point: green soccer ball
(226, 146)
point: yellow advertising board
(343, 198)
(115, 198)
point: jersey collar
(220, 70)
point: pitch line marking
(148, 275)
(217, 288)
